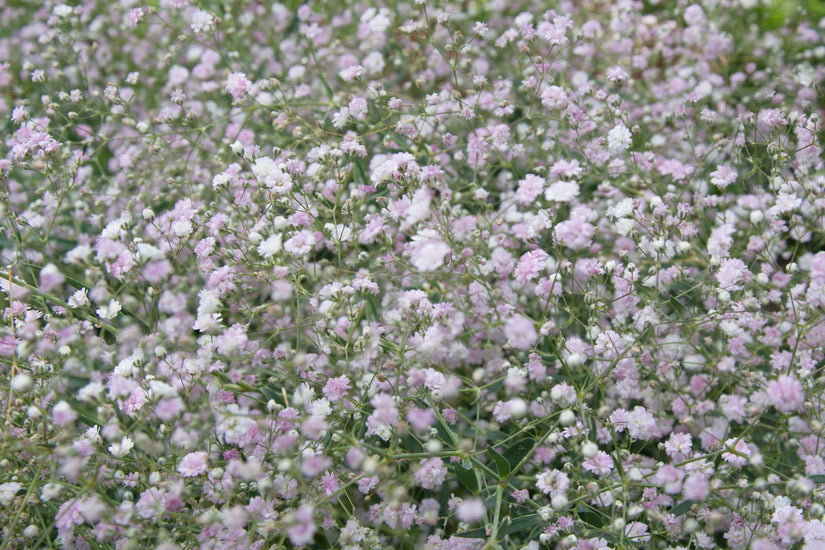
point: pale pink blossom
(193, 464)
(520, 332)
(786, 394)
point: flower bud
(21, 383)
(589, 449)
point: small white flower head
(589, 449)
(567, 417)
(21, 383)
(619, 139)
(271, 245)
(93, 434)
(518, 407)
(202, 21)
(62, 10)
(109, 311)
(8, 491)
(119, 450)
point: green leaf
(516, 452)
(681, 508)
(518, 525)
(817, 478)
(467, 478)
(411, 445)
(502, 466)
(523, 523)
(490, 501)
(495, 435)
(272, 392)
(590, 516)
(477, 533)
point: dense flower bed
(480, 274)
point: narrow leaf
(523, 523)
(515, 453)
(477, 533)
(502, 466)
(681, 508)
(467, 478)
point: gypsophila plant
(489, 274)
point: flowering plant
(416, 274)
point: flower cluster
(431, 274)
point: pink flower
(329, 484)
(529, 188)
(531, 265)
(150, 504)
(641, 424)
(301, 243)
(696, 487)
(600, 464)
(68, 515)
(554, 97)
(431, 473)
(521, 332)
(134, 16)
(336, 388)
(577, 232)
(428, 251)
(739, 453)
(135, 402)
(723, 176)
(721, 239)
(732, 272)
(679, 444)
(237, 85)
(552, 482)
(63, 414)
(303, 528)
(471, 510)
(786, 394)
(19, 114)
(637, 532)
(193, 464)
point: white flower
(62, 10)
(78, 254)
(148, 253)
(339, 232)
(93, 434)
(119, 450)
(90, 392)
(109, 311)
(182, 228)
(271, 246)
(208, 322)
(805, 74)
(210, 301)
(220, 180)
(113, 228)
(428, 250)
(8, 492)
(202, 21)
(320, 408)
(50, 491)
(619, 139)
(562, 191)
(159, 389)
